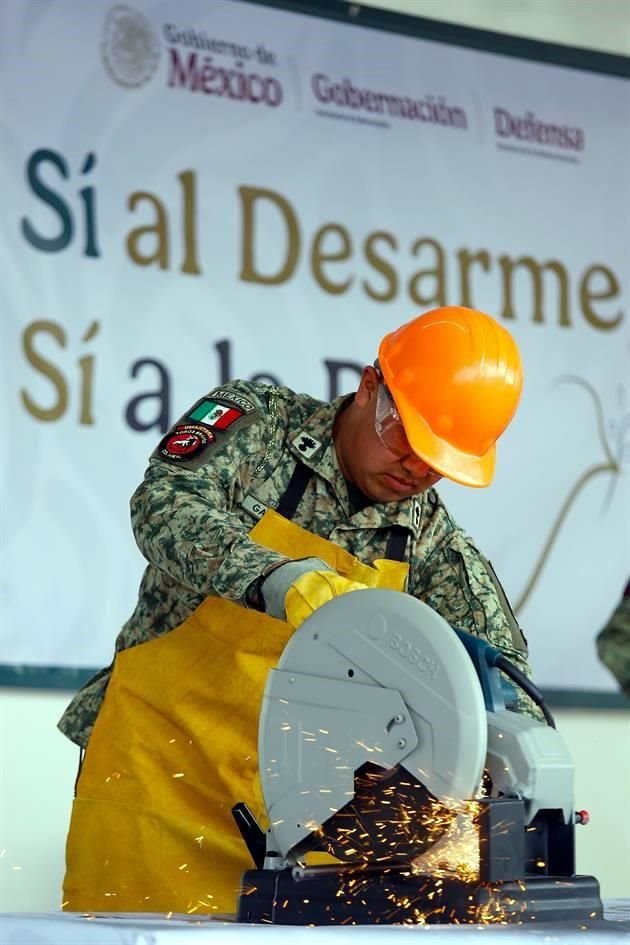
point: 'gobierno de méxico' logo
(130, 46)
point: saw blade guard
(373, 678)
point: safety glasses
(387, 422)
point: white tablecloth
(132, 929)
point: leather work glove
(313, 589)
(295, 589)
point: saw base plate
(397, 897)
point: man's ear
(368, 386)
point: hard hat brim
(452, 463)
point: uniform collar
(313, 444)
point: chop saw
(389, 741)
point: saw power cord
(521, 680)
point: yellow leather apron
(174, 748)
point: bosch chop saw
(385, 739)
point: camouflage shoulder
(434, 511)
(211, 422)
(247, 415)
(263, 396)
(293, 408)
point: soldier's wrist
(253, 595)
(276, 583)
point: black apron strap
(397, 543)
(292, 496)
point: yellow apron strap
(278, 533)
(174, 748)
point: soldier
(613, 643)
(259, 506)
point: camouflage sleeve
(184, 514)
(461, 585)
(613, 643)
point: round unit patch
(185, 442)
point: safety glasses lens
(388, 425)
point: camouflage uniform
(613, 643)
(192, 514)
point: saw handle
(497, 692)
(532, 690)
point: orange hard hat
(455, 376)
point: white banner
(201, 190)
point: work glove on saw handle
(314, 589)
(294, 590)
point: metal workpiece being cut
(400, 784)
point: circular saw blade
(391, 817)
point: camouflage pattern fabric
(613, 643)
(230, 457)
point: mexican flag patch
(213, 414)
